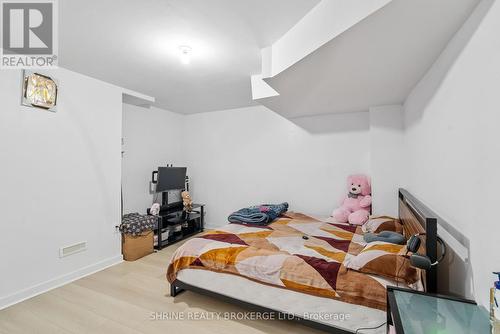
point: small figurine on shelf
(155, 209)
(187, 201)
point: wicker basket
(135, 247)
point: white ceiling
(376, 62)
(134, 44)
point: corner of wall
(386, 148)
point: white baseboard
(212, 226)
(57, 282)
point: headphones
(422, 261)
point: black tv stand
(175, 224)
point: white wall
(325, 21)
(60, 183)
(152, 137)
(452, 138)
(252, 155)
(386, 153)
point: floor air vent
(72, 249)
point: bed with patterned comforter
(295, 252)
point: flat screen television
(171, 178)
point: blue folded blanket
(258, 214)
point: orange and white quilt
(295, 252)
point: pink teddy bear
(356, 206)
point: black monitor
(171, 178)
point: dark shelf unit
(175, 224)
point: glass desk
(414, 312)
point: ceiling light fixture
(185, 54)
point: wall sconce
(39, 91)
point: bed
(299, 258)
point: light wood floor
(121, 300)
